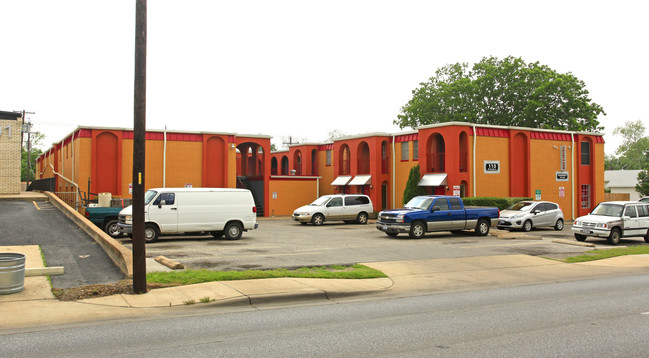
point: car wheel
(392, 234)
(217, 234)
(646, 237)
(559, 225)
(527, 226)
(151, 233)
(317, 219)
(417, 230)
(580, 237)
(111, 229)
(482, 228)
(614, 237)
(362, 218)
(233, 231)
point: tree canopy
(507, 92)
(632, 153)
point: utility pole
(139, 131)
(27, 127)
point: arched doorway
(297, 162)
(363, 164)
(107, 155)
(437, 150)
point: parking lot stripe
(36, 205)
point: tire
(417, 230)
(217, 234)
(580, 237)
(559, 225)
(233, 231)
(392, 234)
(317, 219)
(362, 218)
(527, 226)
(482, 228)
(111, 229)
(614, 237)
(151, 233)
(646, 237)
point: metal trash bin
(12, 273)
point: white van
(177, 210)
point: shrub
(412, 186)
(500, 203)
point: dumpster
(12, 273)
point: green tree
(643, 183)
(633, 153)
(412, 188)
(506, 92)
(36, 138)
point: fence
(617, 196)
(70, 198)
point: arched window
(363, 165)
(344, 160)
(273, 166)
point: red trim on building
(550, 136)
(406, 138)
(84, 133)
(184, 137)
(284, 177)
(326, 147)
(492, 132)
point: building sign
(188, 185)
(274, 195)
(563, 164)
(492, 166)
(562, 176)
(562, 192)
(538, 194)
(456, 190)
(7, 131)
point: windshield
(521, 206)
(420, 202)
(320, 201)
(149, 195)
(608, 210)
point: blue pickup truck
(430, 213)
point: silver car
(527, 215)
(346, 207)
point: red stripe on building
(406, 138)
(326, 147)
(550, 136)
(492, 132)
(184, 137)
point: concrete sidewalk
(36, 306)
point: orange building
(454, 158)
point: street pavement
(36, 305)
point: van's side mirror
(435, 208)
(162, 202)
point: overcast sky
(300, 68)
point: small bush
(500, 203)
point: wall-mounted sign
(7, 131)
(492, 166)
(562, 192)
(274, 195)
(189, 185)
(563, 164)
(562, 176)
(538, 194)
(456, 190)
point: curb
(570, 242)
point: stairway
(242, 182)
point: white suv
(346, 207)
(614, 220)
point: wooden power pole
(139, 130)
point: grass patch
(605, 254)
(189, 277)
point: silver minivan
(526, 215)
(342, 207)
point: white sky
(300, 68)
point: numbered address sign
(492, 166)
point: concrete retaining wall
(120, 255)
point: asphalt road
(62, 242)
(284, 243)
(592, 318)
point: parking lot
(281, 242)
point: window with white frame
(585, 196)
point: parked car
(218, 211)
(106, 218)
(614, 220)
(430, 213)
(645, 199)
(346, 207)
(527, 215)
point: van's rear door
(164, 212)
